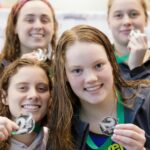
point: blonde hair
(8, 73)
(144, 5)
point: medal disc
(107, 125)
(26, 124)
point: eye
(118, 15)
(77, 71)
(98, 66)
(42, 88)
(134, 14)
(29, 20)
(45, 19)
(22, 88)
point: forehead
(29, 72)
(83, 51)
(126, 4)
(35, 7)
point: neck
(95, 113)
(27, 139)
(121, 49)
(25, 51)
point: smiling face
(125, 15)
(89, 72)
(27, 93)
(35, 26)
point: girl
(127, 20)
(21, 94)
(108, 112)
(31, 25)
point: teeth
(29, 106)
(37, 35)
(92, 88)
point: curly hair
(9, 72)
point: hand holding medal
(26, 124)
(107, 125)
(137, 46)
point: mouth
(126, 31)
(31, 107)
(94, 88)
(37, 35)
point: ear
(4, 98)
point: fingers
(6, 127)
(138, 49)
(138, 43)
(129, 136)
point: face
(35, 26)
(27, 93)
(89, 72)
(123, 17)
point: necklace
(108, 142)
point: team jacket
(139, 115)
(141, 72)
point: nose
(33, 94)
(127, 20)
(90, 76)
(38, 24)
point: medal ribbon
(121, 59)
(108, 142)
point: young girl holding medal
(24, 106)
(30, 32)
(127, 20)
(108, 112)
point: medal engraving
(107, 125)
(26, 124)
(41, 54)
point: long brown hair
(63, 93)
(11, 50)
(90, 34)
(9, 72)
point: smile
(93, 88)
(31, 107)
(37, 35)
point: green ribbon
(108, 142)
(36, 129)
(121, 59)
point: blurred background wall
(69, 13)
(85, 5)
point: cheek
(73, 81)
(46, 99)
(108, 76)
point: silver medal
(26, 124)
(107, 125)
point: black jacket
(141, 72)
(139, 115)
